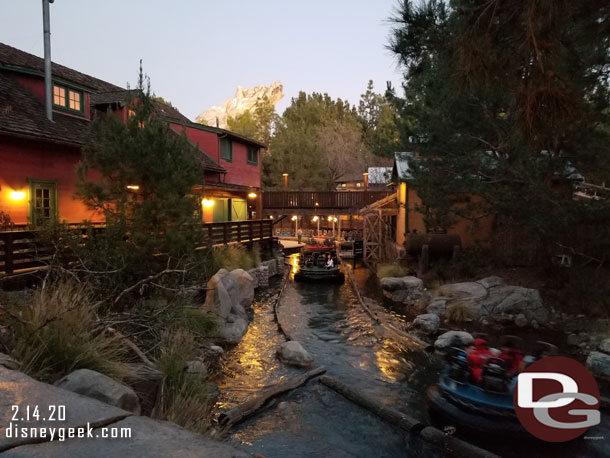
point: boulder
(599, 364)
(464, 291)
(8, 362)
(292, 353)
(245, 287)
(217, 299)
(215, 350)
(196, 367)
(452, 338)
(514, 300)
(437, 306)
(234, 329)
(99, 386)
(521, 320)
(604, 346)
(427, 323)
(254, 274)
(491, 282)
(402, 283)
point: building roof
(223, 132)
(15, 59)
(351, 178)
(401, 170)
(209, 164)
(23, 114)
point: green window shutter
(252, 155)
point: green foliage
(391, 270)
(194, 320)
(188, 397)
(379, 117)
(56, 333)
(257, 123)
(301, 143)
(502, 100)
(236, 257)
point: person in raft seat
(329, 261)
(478, 354)
(512, 357)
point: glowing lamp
(207, 203)
(294, 218)
(315, 218)
(252, 195)
(330, 218)
(17, 195)
(284, 174)
(133, 187)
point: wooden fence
(320, 200)
(21, 249)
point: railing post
(262, 232)
(225, 233)
(250, 227)
(8, 253)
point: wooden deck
(21, 249)
(291, 201)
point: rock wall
(244, 100)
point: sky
(196, 52)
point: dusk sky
(197, 52)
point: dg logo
(557, 399)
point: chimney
(48, 83)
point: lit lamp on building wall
(285, 175)
(16, 195)
(207, 203)
(316, 219)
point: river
(314, 421)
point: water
(314, 421)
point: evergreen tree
(379, 122)
(506, 100)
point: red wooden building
(38, 157)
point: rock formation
(244, 100)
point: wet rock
(465, 291)
(521, 320)
(573, 340)
(491, 282)
(8, 362)
(245, 287)
(263, 278)
(196, 367)
(453, 338)
(217, 300)
(215, 350)
(604, 346)
(293, 353)
(234, 329)
(514, 300)
(402, 283)
(437, 306)
(427, 323)
(99, 386)
(599, 364)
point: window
(226, 149)
(68, 99)
(252, 155)
(43, 205)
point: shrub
(188, 398)
(56, 334)
(460, 311)
(391, 270)
(236, 257)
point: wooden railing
(321, 200)
(21, 249)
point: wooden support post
(225, 233)
(424, 260)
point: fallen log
(237, 414)
(454, 447)
(392, 416)
(355, 286)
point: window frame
(66, 107)
(256, 152)
(228, 141)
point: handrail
(21, 250)
(321, 199)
